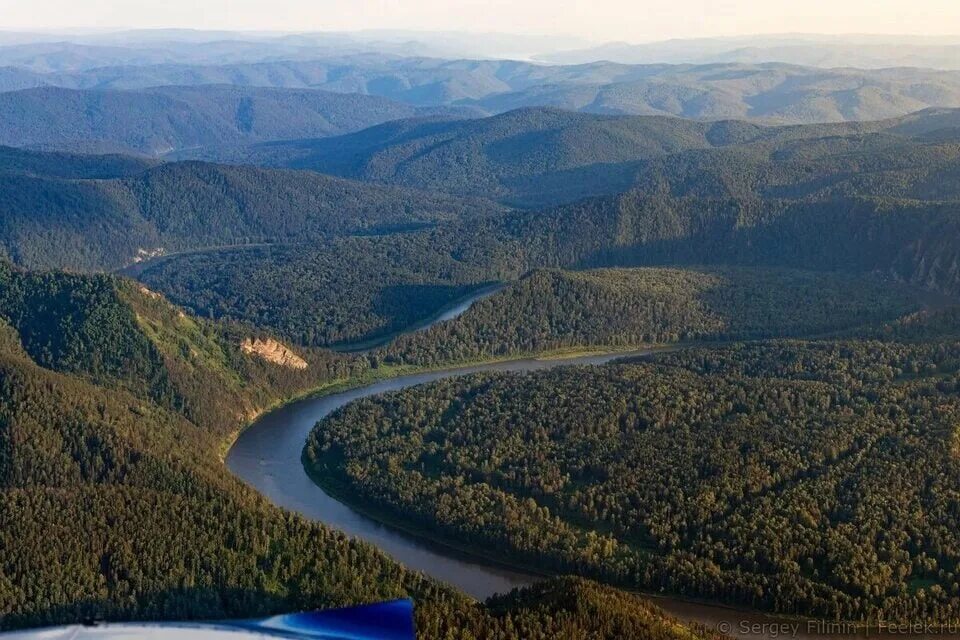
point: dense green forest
(866, 197)
(55, 216)
(120, 335)
(680, 193)
(545, 157)
(804, 477)
(818, 478)
(344, 291)
(115, 504)
(908, 241)
(58, 211)
(75, 166)
(550, 310)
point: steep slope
(120, 335)
(116, 506)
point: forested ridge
(865, 197)
(815, 478)
(552, 309)
(908, 242)
(113, 407)
(106, 215)
(160, 120)
(859, 197)
(540, 157)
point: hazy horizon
(595, 22)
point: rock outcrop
(273, 351)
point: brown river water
(267, 457)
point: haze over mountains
(165, 119)
(75, 51)
(862, 51)
(776, 79)
(769, 92)
(185, 214)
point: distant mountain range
(66, 52)
(70, 52)
(825, 51)
(769, 92)
(542, 157)
(161, 120)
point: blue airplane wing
(391, 620)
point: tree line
(807, 478)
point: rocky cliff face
(273, 351)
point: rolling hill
(550, 310)
(540, 156)
(769, 92)
(54, 216)
(855, 197)
(160, 120)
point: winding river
(267, 457)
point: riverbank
(336, 488)
(447, 312)
(267, 456)
(390, 371)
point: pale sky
(599, 20)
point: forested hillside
(543, 157)
(765, 177)
(909, 241)
(49, 218)
(72, 166)
(120, 335)
(806, 478)
(164, 119)
(531, 156)
(288, 211)
(332, 293)
(549, 310)
(114, 407)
